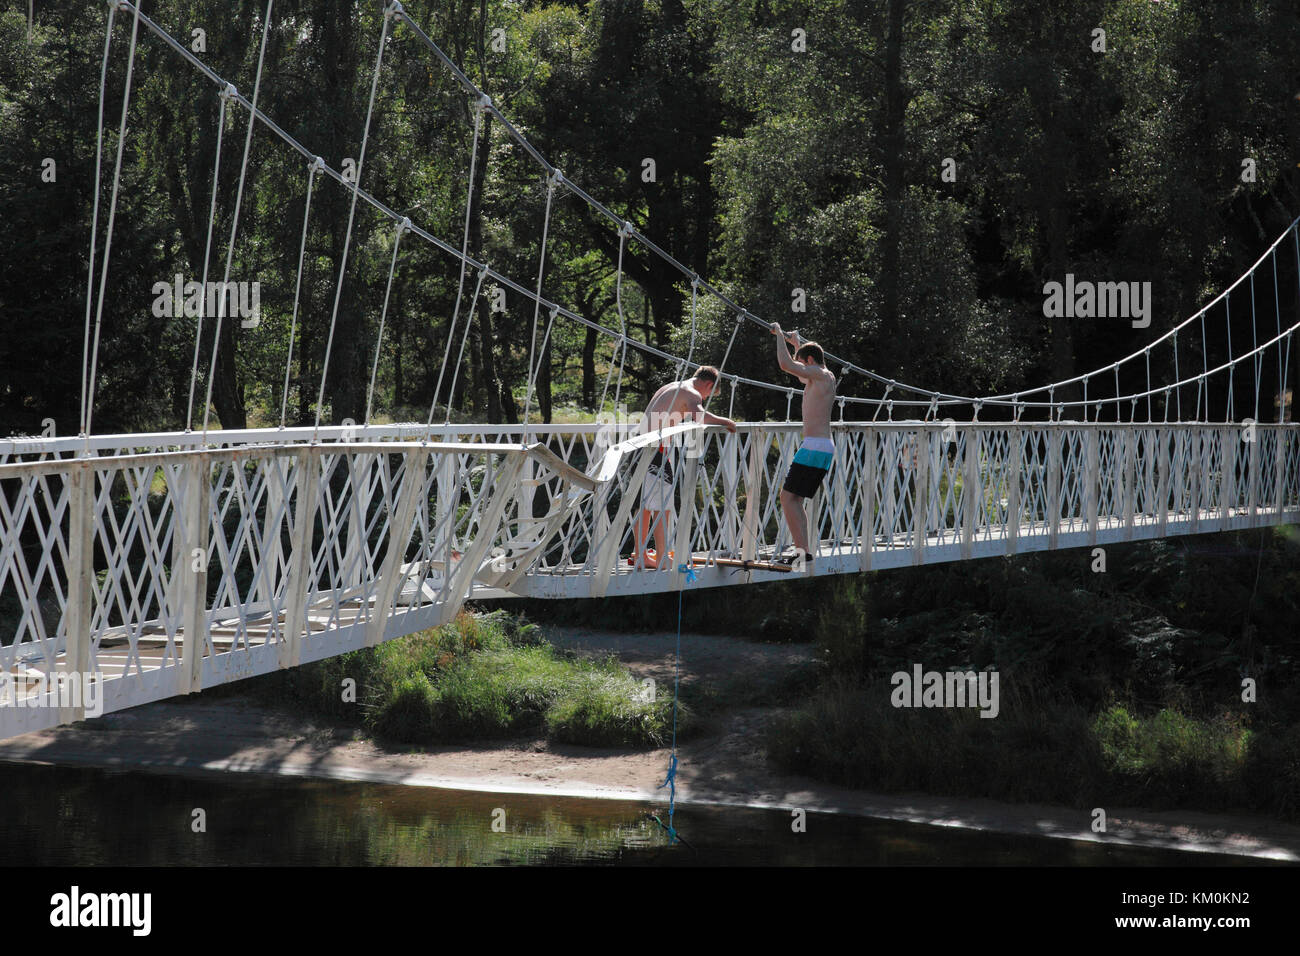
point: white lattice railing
(169, 571)
(272, 550)
(914, 493)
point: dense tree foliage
(918, 167)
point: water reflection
(83, 816)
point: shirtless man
(813, 459)
(671, 405)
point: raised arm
(798, 369)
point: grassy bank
(485, 676)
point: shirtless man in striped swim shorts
(813, 459)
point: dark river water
(81, 816)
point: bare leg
(661, 537)
(643, 534)
(795, 519)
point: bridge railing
(911, 492)
(172, 568)
(167, 571)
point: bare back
(671, 405)
(818, 396)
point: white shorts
(657, 488)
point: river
(65, 816)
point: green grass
(487, 676)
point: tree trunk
(544, 381)
(227, 390)
(492, 389)
(589, 370)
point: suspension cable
(352, 210)
(402, 227)
(89, 398)
(224, 96)
(94, 220)
(620, 346)
(464, 250)
(552, 181)
(469, 318)
(234, 225)
(312, 170)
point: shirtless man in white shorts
(673, 404)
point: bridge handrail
(236, 453)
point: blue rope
(670, 781)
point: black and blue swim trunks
(811, 463)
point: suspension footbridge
(167, 563)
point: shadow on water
(84, 816)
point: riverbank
(725, 764)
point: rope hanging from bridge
(670, 779)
